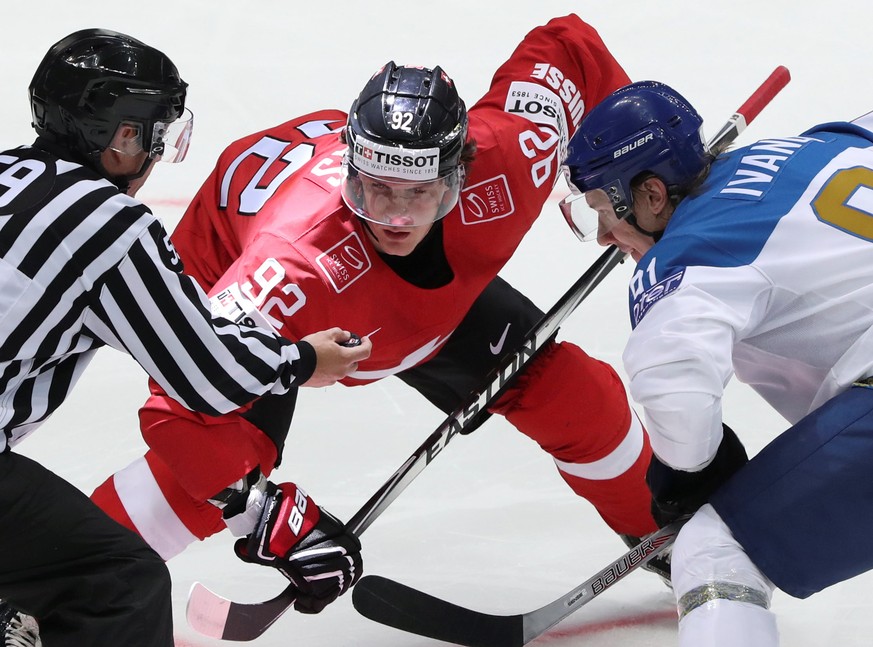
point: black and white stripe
(82, 265)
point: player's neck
(427, 266)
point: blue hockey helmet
(642, 127)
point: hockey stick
(212, 615)
(399, 606)
(377, 598)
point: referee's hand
(338, 355)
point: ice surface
(490, 524)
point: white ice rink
(489, 524)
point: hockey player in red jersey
(393, 221)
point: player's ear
(127, 139)
(125, 143)
(655, 194)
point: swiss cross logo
(345, 262)
(486, 201)
(368, 153)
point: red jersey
(270, 223)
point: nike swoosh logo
(496, 348)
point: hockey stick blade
(397, 605)
(214, 615)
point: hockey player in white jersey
(756, 262)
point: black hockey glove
(677, 494)
(308, 545)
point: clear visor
(581, 218)
(169, 140)
(400, 203)
(593, 215)
(596, 212)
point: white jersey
(766, 272)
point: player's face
(402, 204)
(400, 214)
(612, 231)
(396, 241)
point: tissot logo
(345, 262)
(396, 161)
(486, 201)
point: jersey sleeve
(679, 356)
(556, 74)
(228, 210)
(198, 355)
(523, 124)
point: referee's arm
(164, 320)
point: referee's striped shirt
(83, 265)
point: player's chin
(397, 245)
(633, 252)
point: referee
(84, 264)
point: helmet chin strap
(146, 165)
(123, 181)
(632, 219)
